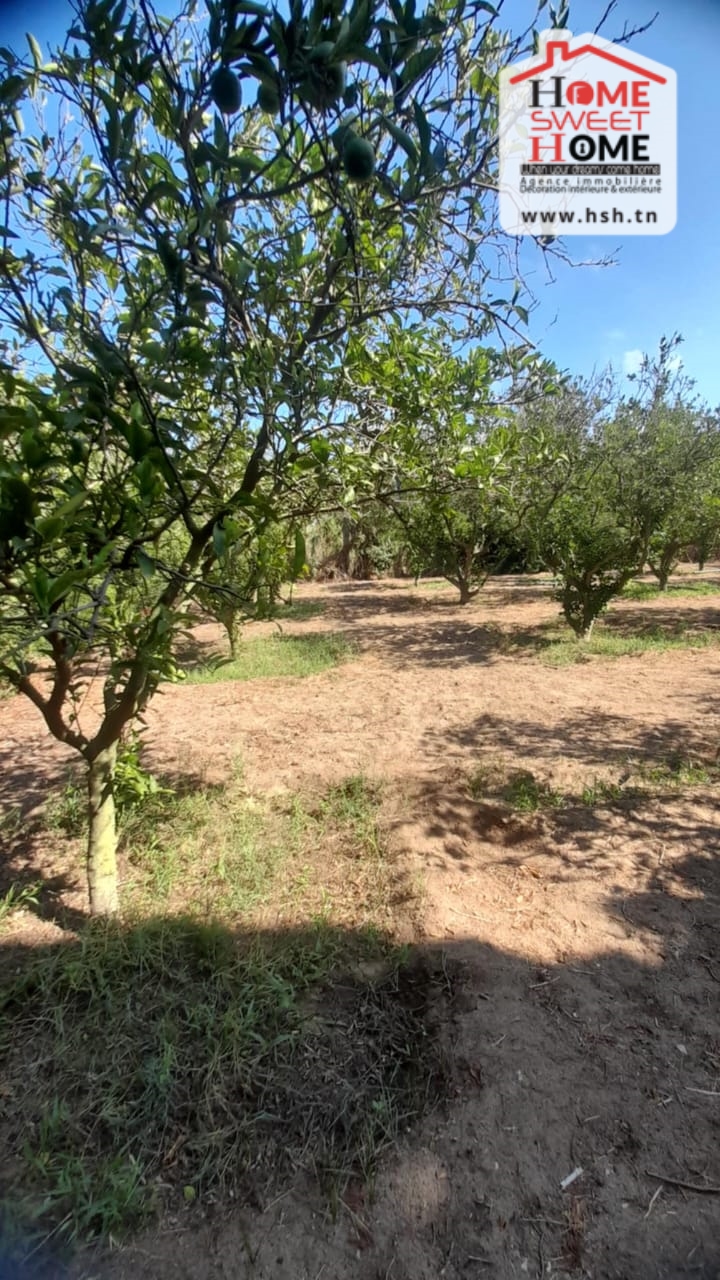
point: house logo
(588, 141)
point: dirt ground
(586, 1038)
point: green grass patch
(239, 857)
(524, 793)
(218, 847)
(66, 809)
(352, 805)
(678, 772)
(273, 657)
(598, 793)
(607, 642)
(298, 610)
(182, 1063)
(637, 590)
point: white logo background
(602, 203)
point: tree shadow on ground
(504, 1080)
(598, 738)
(445, 634)
(22, 790)
(667, 622)
(437, 643)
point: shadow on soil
(673, 620)
(596, 739)
(504, 1078)
(446, 635)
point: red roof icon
(562, 47)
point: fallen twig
(652, 1202)
(686, 1186)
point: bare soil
(584, 1035)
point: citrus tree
(668, 444)
(578, 517)
(446, 445)
(199, 212)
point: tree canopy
(201, 212)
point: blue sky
(589, 317)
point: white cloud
(615, 335)
(632, 360)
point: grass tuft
(678, 772)
(274, 656)
(521, 789)
(18, 897)
(599, 793)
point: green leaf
(418, 65)
(424, 135)
(50, 527)
(139, 440)
(38, 582)
(114, 134)
(159, 190)
(80, 373)
(34, 50)
(363, 53)
(219, 541)
(145, 564)
(72, 505)
(321, 450)
(402, 138)
(60, 586)
(161, 163)
(249, 6)
(11, 88)
(299, 555)
(355, 32)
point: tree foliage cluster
(202, 214)
(572, 477)
(251, 284)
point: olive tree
(199, 212)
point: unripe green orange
(226, 92)
(268, 99)
(358, 158)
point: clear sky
(589, 317)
